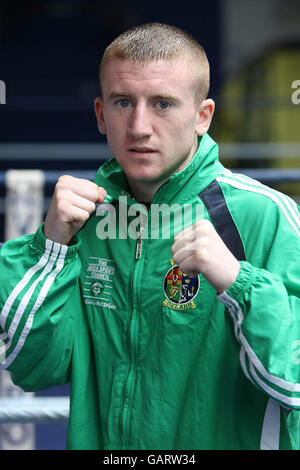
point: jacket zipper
(129, 382)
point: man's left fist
(199, 249)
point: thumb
(101, 194)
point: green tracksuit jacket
(158, 360)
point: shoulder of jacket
(257, 200)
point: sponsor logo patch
(98, 282)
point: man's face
(149, 115)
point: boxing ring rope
(266, 176)
(34, 410)
(50, 409)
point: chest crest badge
(180, 289)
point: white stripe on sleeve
(238, 317)
(39, 301)
(270, 434)
(27, 296)
(24, 281)
(291, 216)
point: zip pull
(138, 252)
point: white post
(2, 92)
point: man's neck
(142, 191)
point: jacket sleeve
(37, 277)
(264, 304)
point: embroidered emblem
(97, 288)
(180, 289)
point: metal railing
(34, 409)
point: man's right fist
(73, 202)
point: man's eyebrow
(117, 94)
(162, 96)
(166, 97)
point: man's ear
(206, 112)
(98, 106)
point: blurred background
(49, 56)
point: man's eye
(124, 103)
(162, 104)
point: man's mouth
(142, 150)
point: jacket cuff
(39, 241)
(243, 283)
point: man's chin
(146, 179)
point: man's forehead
(148, 82)
(160, 65)
(161, 70)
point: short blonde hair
(156, 41)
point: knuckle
(201, 255)
(202, 240)
(175, 259)
(63, 179)
(84, 216)
(92, 208)
(205, 226)
(62, 184)
(90, 189)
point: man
(186, 341)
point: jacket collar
(181, 186)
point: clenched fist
(199, 249)
(73, 202)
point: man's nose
(140, 122)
